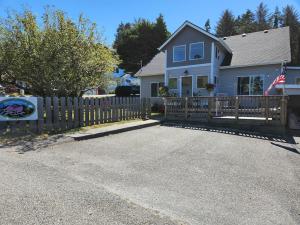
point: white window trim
(176, 82)
(263, 87)
(157, 89)
(184, 53)
(197, 81)
(201, 42)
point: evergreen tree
(276, 18)
(138, 42)
(246, 23)
(226, 25)
(262, 17)
(291, 19)
(207, 25)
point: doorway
(187, 86)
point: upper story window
(298, 80)
(179, 53)
(196, 51)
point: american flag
(279, 80)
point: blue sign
(18, 109)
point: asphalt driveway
(158, 175)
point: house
(243, 64)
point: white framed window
(202, 81)
(172, 83)
(250, 85)
(197, 51)
(298, 80)
(179, 53)
(155, 88)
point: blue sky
(109, 13)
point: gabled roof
(155, 67)
(188, 23)
(260, 48)
(255, 49)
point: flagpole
(283, 89)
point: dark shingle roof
(258, 48)
(155, 67)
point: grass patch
(82, 129)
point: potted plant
(164, 91)
(210, 87)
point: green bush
(123, 91)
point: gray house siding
(228, 77)
(186, 36)
(146, 86)
(292, 75)
(192, 71)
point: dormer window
(196, 51)
(179, 53)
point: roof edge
(250, 65)
(188, 23)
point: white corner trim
(190, 66)
(212, 62)
(166, 62)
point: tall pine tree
(276, 18)
(262, 17)
(246, 23)
(291, 19)
(226, 24)
(207, 25)
(138, 42)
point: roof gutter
(250, 65)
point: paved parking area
(158, 175)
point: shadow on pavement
(288, 139)
(294, 150)
(30, 142)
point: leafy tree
(262, 17)
(246, 23)
(137, 43)
(207, 25)
(226, 25)
(59, 57)
(291, 19)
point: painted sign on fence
(22, 108)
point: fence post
(210, 105)
(237, 107)
(40, 122)
(283, 111)
(166, 108)
(267, 109)
(186, 108)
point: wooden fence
(65, 113)
(247, 109)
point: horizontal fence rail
(60, 114)
(266, 109)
